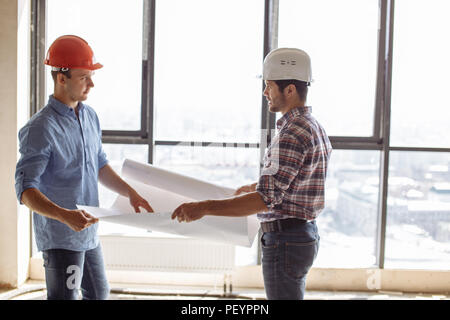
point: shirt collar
(62, 108)
(291, 114)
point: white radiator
(166, 254)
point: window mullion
(148, 76)
(378, 116)
(37, 73)
(387, 8)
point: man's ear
(290, 90)
(60, 78)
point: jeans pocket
(299, 257)
(268, 242)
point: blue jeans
(287, 257)
(68, 271)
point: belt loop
(279, 225)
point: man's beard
(277, 105)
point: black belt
(282, 224)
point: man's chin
(273, 109)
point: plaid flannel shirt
(292, 182)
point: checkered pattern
(292, 182)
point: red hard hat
(71, 52)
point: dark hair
(300, 86)
(66, 73)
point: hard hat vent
(285, 62)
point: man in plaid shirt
(290, 192)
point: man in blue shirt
(61, 162)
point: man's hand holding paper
(190, 211)
(137, 201)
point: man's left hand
(137, 201)
(190, 211)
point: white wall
(14, 66)
(23, 112)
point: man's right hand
(77, 220)
(246, 189)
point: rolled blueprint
(165, 191)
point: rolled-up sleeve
(102, 160)
(35, 150)
(281, 165)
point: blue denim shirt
(61, 157)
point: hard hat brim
(93, 67)
(96, 66)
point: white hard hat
(287, 64)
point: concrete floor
(35, 290)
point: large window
(418, 204)
(113, 29)
(341, 38)
(171, 83)
(347, 225)
(420, 106)
(206, 70)
(206, 89)
(181, 89)
(418, 229)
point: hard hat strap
(60, 69)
